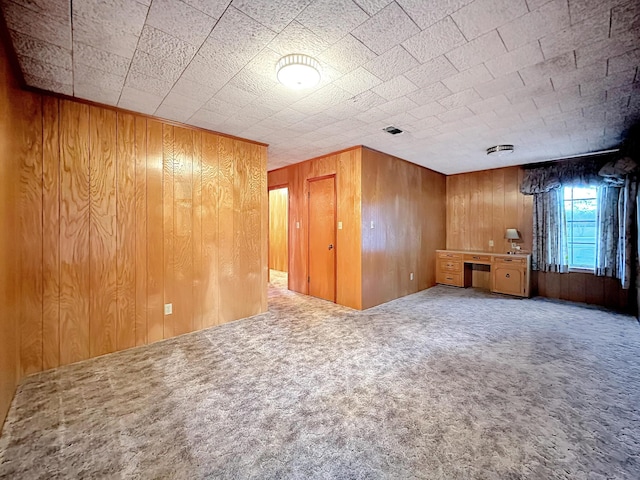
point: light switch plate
(297, 224)
(491, 243)
(339, 225)
(168, 308)
(372, 224)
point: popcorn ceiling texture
(555, 78)
(446, 383)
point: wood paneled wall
(482, 205)
(20, 130)
(279, 229)
(403, 223)
(122, 214)
(346, 167)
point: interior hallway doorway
(279, 233)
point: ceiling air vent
(392, 130)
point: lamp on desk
(512, 235)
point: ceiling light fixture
(298, 71)
(500, 150)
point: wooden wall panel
(50, 235)
(29, 153)
(196, 213)
(74, 232)
(102, 232)
(482, 205)
(168, 226)
(129, 219)
(226, 263)
(210, 195)
(11, 120)
(154, 237)
(141, 272)
(126, 206)
(183, 231)
(403, 201)
(432, 216)
(278, 229)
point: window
(580, 206)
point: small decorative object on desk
(513, 235)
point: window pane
(580, 209)
(583, 256)
(584, 232)
(584, 192)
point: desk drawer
(510, 260)
(477, 258)
(449, 255)
(449, 278)
(446, 265)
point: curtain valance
(571, 172)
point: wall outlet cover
(491, 243)
(168, 308)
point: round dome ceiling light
(298, 71)
(500, 150)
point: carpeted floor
(447, 383)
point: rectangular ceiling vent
(392, 130)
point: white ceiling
(553, 77)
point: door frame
(335, 233)
(277, 187)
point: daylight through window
(580, 205)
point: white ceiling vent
(393, 130)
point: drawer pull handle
(508, 260)
(508, 275)
(449, 278)
(476, 258)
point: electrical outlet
(514, 246)
(168, 308)
(339, 225)
(372, 224)
(491, 243)
(411, 276)
(297, 224)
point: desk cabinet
(509, 273)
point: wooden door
(322, 238)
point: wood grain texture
(102, 233)
(227, 270)
(183, 231)
(13, 116)
(141, 249)
(168, 225)
(402, 201)
(482, 205)
(349, 238)
(75, 278)
(211, 191)
(126, 232)
(28, 128)
(322, 238)
(50, 234)
(279, 229)
(198, 292)
(154, 239)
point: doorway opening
(279, 236)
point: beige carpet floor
(444, 384)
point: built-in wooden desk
(510, 274)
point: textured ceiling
(555, 78)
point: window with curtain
(580, 213)
(583, 219)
